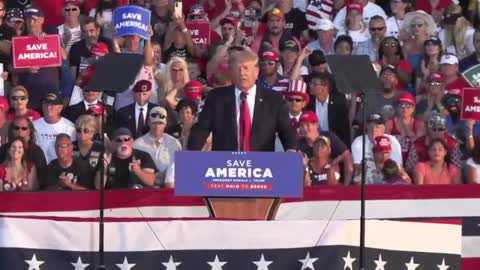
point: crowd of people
(262, 84)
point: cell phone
(178, 9)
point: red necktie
(294, 122)
(295, 125)
(245, 123)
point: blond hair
(86, 121)
(241, 54)
(455, 34)
(19, 88)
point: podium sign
(234, 174)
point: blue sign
(131, 20)
(234, 174)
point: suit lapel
(257, 116)
(231, 122)
(134, 122)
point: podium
(239, 185)
(243, 208)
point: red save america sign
(31, 52)
(200, 32)
(471, 104)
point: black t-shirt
(179, 52)
(90, 161)
(338, 147)
(77, 172)
(18, 4)
(296, 22)
(6, 32)
(119, 171)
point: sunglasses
(83, 130)
(70, 9)
(20, 128)
(16, 98)
(264, 63)
(413, 25)
(158, 115)
(295, 99)
(124, 139)
(176, 69)
(434, 83)
(393, 44)
(377, 29)
(438, 129)
(405, 105)
(63, 145)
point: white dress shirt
(321, 109)
(251, 105)
(137, 113)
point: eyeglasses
(416, 25)
(63, 145)
(158, 115)
(71, 9)
(377, 29)
(434, 83)
(437, 129)
(270, 63)
(20, 128)
(123, 139)
(83, 130)
(176, 69)
(405, 105)
(236, 48)
(295, 99)
(16, 98)
(393, 44)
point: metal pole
(362, 190)
(101, 228)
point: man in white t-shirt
(70, 31)
(369, 10)
(51, 124)
(375, 128)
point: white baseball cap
(325, 24)
(449, 59)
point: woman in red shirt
(19, 105)
(16, 174)
(404, 126)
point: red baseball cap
(308, 117)
(4, 104)
(356, 7)
(455, 92)
(406, 97)
(100, 49)
(228, 19)
(382, 144)
(142, 86)
(270, 56)
(193, 90)
(435, 76)
(87, 75)
(95, 110)
(72, 2)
